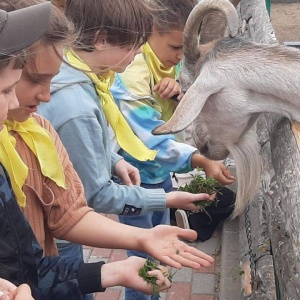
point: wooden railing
(270, 228)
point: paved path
(188, 284)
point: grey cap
(23, 27)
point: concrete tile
(230, 281)
(231, 225)
(86, 254)
(179, 291)
(183, 275)
(111, 294)
(203, 284)
(94, 259)
(101, 252)
(210, 269)
(202, 297)
(208, 246)
(122, 297)
(118, 254)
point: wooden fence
(270, 228)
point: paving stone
(201, 297)
(188, 284)
(118, 254)
(109, 294)
(231, 225)
(210, 269)
(86, 254)
(208, 246)
(179, 291)
(183, 275)
(94, 259)
(102, 252)
(230, 281)
(203, 284)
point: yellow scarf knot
(126, 138)
(40, 143)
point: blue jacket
(76, 114)
(21, 259)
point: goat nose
(204, 149)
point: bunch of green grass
(151, 265)
(200, 184)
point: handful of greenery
(151, 265)
(199, 184)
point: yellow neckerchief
(126, 138)
(40, 143)
(159, 72)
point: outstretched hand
(163, 243)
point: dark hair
(17, 59)
(120, 22)
(172, 14)
(59, 30)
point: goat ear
(205, 48)
(186, 112)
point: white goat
(231, 81)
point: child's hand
(129, 174)
(10, 292)
(167, 88)
(213, 169)
(126, 273)
(185, 200)
(218, 171)
(165, 244)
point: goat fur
(229, 87)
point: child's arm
(61, 278)
(162, 242)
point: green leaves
(199, 184)
(151, 265)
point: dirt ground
(285, 19)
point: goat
(230, 82)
